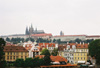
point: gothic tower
(31, 30)
(61, 33)
(27, 32)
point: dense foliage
(29, 62)
(45, 52)
(54, 52)
(19, 63)
(2, 44)
(94, 50)
(46, 58)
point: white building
(69, 37)
(69, 53)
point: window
(11, 53)
(84, 58)
(81, 58)
(78, 57)
(8, 53)
(10, 57)
(7, 57)
(14, 53)
(14, 57)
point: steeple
(27, 32)
(61, 33)
(31, 25)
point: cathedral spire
(26, 32)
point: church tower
(27, 32)
(31, 30)
(61, 33)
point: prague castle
(31, 30)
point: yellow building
(81, 53)
(14, 52)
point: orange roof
(14, 49)
(28, 46)
(45, 45)
(61, 47)
(41, 35)
(54, 58)
(82, 45)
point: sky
(73, 17)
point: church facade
(31, 30)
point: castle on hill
(31, 30)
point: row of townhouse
(74, 53)
(28, 50)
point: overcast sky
(52, 16)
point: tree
(7, 39)
(19, 63)
(2, 44)
(28, 62)
(55, 52)
(54, 40)
(46, 58)
(58, 41)
(45, 52)
(94, 50)
(78, 40)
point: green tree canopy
(19, 63)
(2, 44)
(46, 58)
(28, 62)
(45, 52)
(54, 52)
(94, 50)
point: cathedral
(31, 30)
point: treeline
(18, 40)
(72, 41)
(41, 40)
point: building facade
(14, 52)
(81, 53)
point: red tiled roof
(61, 47)
(45, 45)
(54, 58)
(14, 49)
(41, 35)
(82, 45)
(28, 46)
